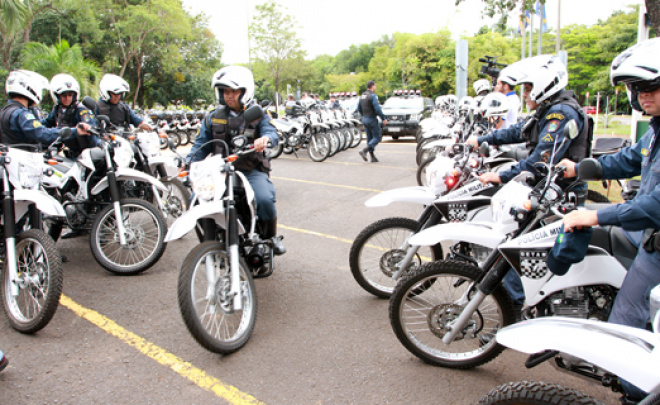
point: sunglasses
(644, 86)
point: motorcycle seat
(613, 240)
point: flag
(540, 11)
(525, 20)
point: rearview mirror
(571, 130)
(253, 113)
(89, 102)
(590, 169)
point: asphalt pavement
(319, 338)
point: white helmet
(466, 104)
(440, 101)
(547, 75)
(638, 68)
(234, 77)
(512, 74)
(482, 85)
(494, 105)
(63, 83)
(27, 84)
(113, 84)
(451, 102)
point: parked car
(404, 114)
(589, 109)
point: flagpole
(531, 33)
(558, 41)
(540, 30)
(523, 33)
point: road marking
(320, 183)
(337, 238)
(356, 164)
(162, 356)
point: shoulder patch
(218, 121)
(553, 126)
(645, 152)
(555, 116)
(36, 123)
(30, 116)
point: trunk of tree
(138, 63)
(653, 10)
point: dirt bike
(32, 266)
(448, 312)
(216, 291)
(381, 253)
(602, 352)
(126, 234)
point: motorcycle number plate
(395, 129)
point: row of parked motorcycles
(443, 272)
(121, 195)
(181, 126)
(322, 131)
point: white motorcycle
(126, 235)
(216, 291)
(603, 352)
(448, 312)
(32, 266)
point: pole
(523, 33)
(642, 35)
(540, 31)
(531, 35)
(597, 109)
(558, 40)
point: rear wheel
(357, 137)
(536, 393)
(175, 138)
(176, 199)
(422, 171)
(39, 266)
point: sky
(330, 26)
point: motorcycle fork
(116, 203)
(10, 232)
(429, 217)
(232, 244)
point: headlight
(415, 117)
(29, 175)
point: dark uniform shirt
(25, 124)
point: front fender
(187, 222)
(417, 195)
(630, 353)
(124, 174)
(480, 234)
(44, 202)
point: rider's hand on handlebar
(261, 143)
(82, 128)
(145, 126)
(490, 177)
(472, 141)
(570, 168)
(579, 219)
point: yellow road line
(320, 183)
(162, 356)
(337, 238)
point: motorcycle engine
(74, 212)
(593, 302)
(294, 140)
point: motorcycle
(602, 352)
(216, 290)
(298, 131)
(448, 312)
(32, 266)
(126, 235)
(382, 252)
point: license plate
(393, 129)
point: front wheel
(426, 303)
(597, 197)
(536, 393)
(145, 234)
(379, 248)
(208, 309)
(39, 282)
(318, 148)
(176, 199)
(183, 135)
(422, 179)
(357, 137)
(175, 138)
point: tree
(503, 8)
(278, 55)
(62, 58)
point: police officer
(369, 107)
(113, 90)
(506, 84)
(639, 69)
(334, 103)
(19, 122)
(544, 80)
(68, 112)
(234, 90)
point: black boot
(270, 232)
(373, 157)
(363, 153)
